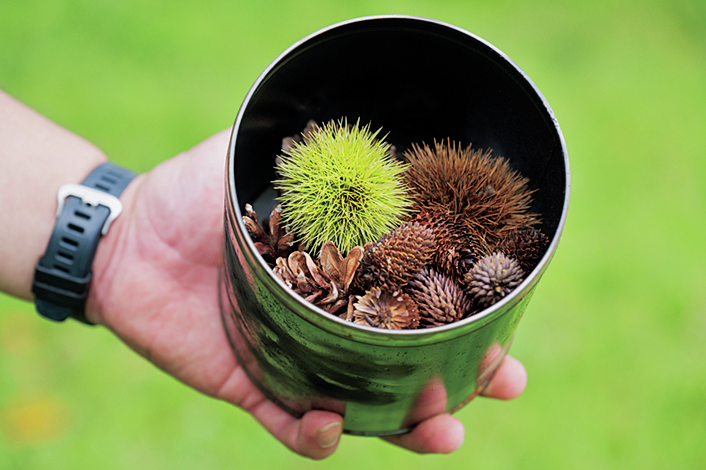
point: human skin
(155, 273)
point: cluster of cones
(468, 242)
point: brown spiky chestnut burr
(383, 308)
(396, 257)
(481, 190)
(439, 299)
(492, 278)
(454, 253)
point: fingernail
(329, 434)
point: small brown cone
(396, 257)
(439, 299)
(337, 268)
(492, 278)
(454, 253)
(390, 310)
(301, 274)
(270, 239)
(527, 246)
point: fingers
(508, 382)
(442, 434)
(314, 435)
(317, 434)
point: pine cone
(492, 278)
(440, 300)
(455, 253)
(391, 310)
(396, 257)
(527, 246)
(272, 241)
(338, 269)
(301, 274)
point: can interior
(418, 80)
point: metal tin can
(419, 80)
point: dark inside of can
(418, 82)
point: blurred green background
(614, 339)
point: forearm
(36, 157)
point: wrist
(63, 275)
(109, 255)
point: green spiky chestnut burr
(341, 184)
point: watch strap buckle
(62, 276)
(92, 197)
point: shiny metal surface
(418, 79)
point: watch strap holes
(61, 268)
(68, 244)
(75, 228)
(108, 179)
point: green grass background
(614, 339)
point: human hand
(155, 285)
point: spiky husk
(492, 278)
(382, 308)
(340, 184)
(476, 188)
(439, 299)
(396, 257)
(527, 246)
(454, 254)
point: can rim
(363, 333)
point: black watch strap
(63, 275)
